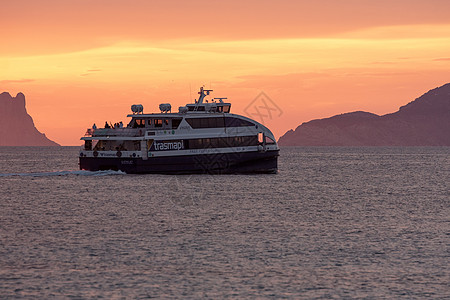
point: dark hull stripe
(220, 163)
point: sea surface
(333, 223)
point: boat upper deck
(213, 114)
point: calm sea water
(333, 223)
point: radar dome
(137, 108)
(165, 107)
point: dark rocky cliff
(16, 125)
(422, 122)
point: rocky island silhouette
(422, 122)
(16, 125)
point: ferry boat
(202, 137)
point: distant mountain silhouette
(17, 126)
(422, 122)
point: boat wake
(65, 173)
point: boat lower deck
(217, 163)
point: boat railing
(114, 132)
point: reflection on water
(334, 222)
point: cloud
(442, 59)
(89, 72)
(382, 63)
(17, 81)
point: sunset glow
(88, 61)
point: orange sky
(80, 62)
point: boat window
(158, 123)
(215, 122)
(166, 121)
(220, 122)
(269, 141)
(112, 145)
(204, 123)
(99, 146)
(193, 122)
(88, 145)
(236, 122)
(238, 141)
(139, 123)
(226, 109)
(195, 144)
(149, 122)
(176, 123)
(214, 142)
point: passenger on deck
(107, 125)
(94, 126)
